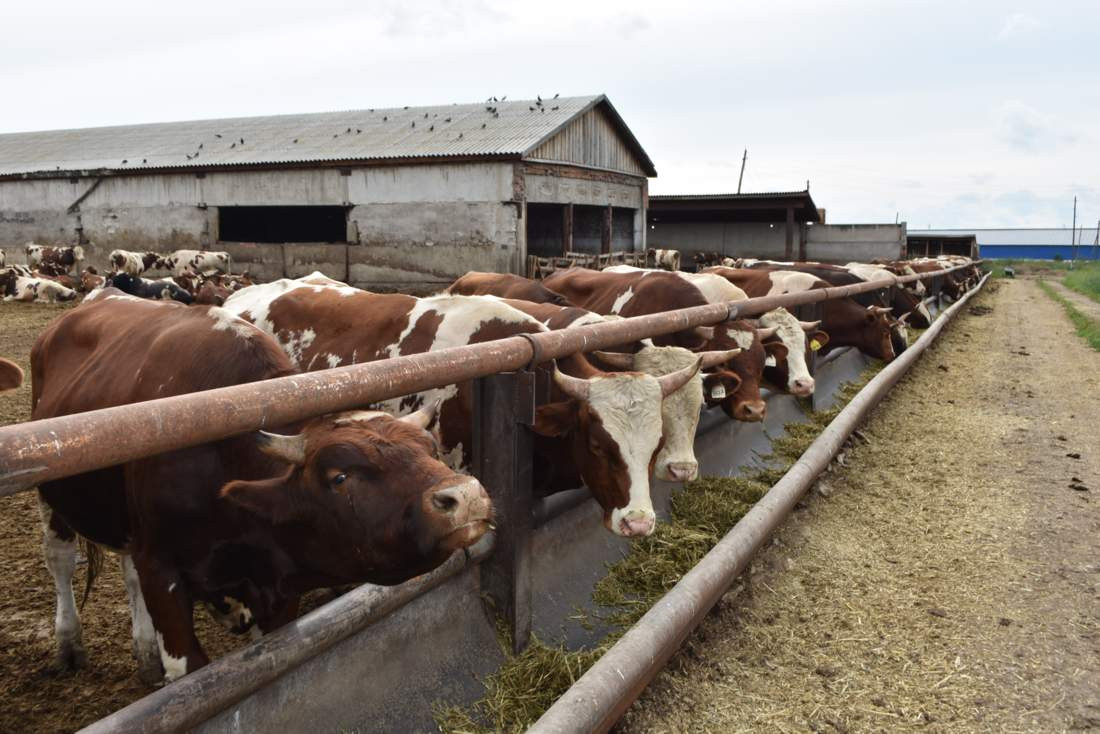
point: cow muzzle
(678, 471)
(802, 387)
(636, 523)
(751, 411)
(462, 509)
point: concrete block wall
(842, 243)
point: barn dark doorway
(278, 224)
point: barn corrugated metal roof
(491, 129)
(752, 195)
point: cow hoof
(151, 674)
(71, 657)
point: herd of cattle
(247, 525)
(197, 276)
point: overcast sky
(961, 113)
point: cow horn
(672, 382)
(905, 318)
(766, 332)
(574, 387)
(704, 332)
(809, 326)
(618, 360)
(423, 417)
(291, 449)
(715, 358)
(879, 309)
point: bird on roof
(295, 140)
(405, 107)
(200, 146)
(242, 141)
(385, 117)
(414, 123)
(348, 130)
(531, 108)
(555, 95)
(431, 127)
(234, 145)
(144, 160)
(124, 160)
(447, 119)
(504, 98)
(483, 125)
(217, 135)
(555, 107)
(538, 99)
(358, 130)
(460, 136)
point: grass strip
(1088, 329)
(1085, 279)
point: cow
(788, 330)
(201, 262)
(247, 524)
(132, 263)
(845, 322)
(90, 279)
(838, 276)
(64, 257)
(663, 259)
(17, 283)
(953, 284)
(639, 293)
(165, 289)
(3, 257)
(11, 376)
(601, 428)
(680, 411)
(504, 285)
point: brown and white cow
(11, 376)
(17, 283)
(247, 524)
(680, 411)
(132, 263)
(645, 292)
(61, 257)
(603, 428)
(504, 285)
(663, 259)
(90, 279)
(201, 262)
(845, 322)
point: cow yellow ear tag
(814, 345)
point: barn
(782, 225)
(389, 199)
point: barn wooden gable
(596, 138)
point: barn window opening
(280, 224)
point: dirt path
(1083, 303)
(947, 578)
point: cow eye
(335, 480)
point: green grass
(1085, 279)
(1088, 329)
(1026, 266)
(700, 515)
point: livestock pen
(336, 667)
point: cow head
(736, 387)
(881, 334)
(90, 279)
(676, 460)
(909, 304)
(612, 422)
(791, 332)
(366, 498)
(777, 369)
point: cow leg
(59, 546)
(170, 607)
(146, 650)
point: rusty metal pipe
(600, 697)
(39, 451)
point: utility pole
(1072, 231)
(1096, 240)
(744, 158)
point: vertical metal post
(567, 229)
(503, 405)
(605, 231)
(788, 250)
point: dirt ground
(1084, 304)
(947, 578)
(33, 696)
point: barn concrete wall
(824, 242)
(842, 243)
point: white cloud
(1029, 130)
(1018, 24)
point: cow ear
(555, 419)
(266, 498)
(719, 385)
(777, 350)
(818, 339)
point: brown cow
(246, 524)
(602, 427)
(504, 285)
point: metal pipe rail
(43, 450)
(600, 697)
